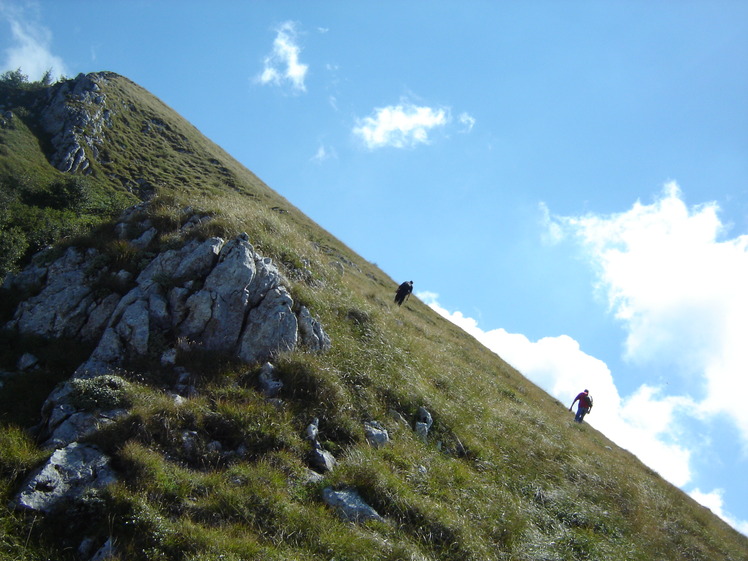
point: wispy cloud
(400, 126)
(468, 122)
(324, 153)
(31, 48)
(282, 66)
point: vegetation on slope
(504, 473)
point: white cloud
(468, 121)
(680, 291)
(31, 48)
(714, 501)
(645, 423)
(282, 65)
(324, 153)
(400, 126)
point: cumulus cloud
(400, 126)
(679, 287)
(31, 49)
(282, 65)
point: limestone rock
(75, 116)
(68, 474)
(213, 294)
(311, 332)
(423, 423)
(271, 328)
(349, 505)
(376, 434)
(270, 384)
(63, 306)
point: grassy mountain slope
(504, 473)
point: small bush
(103, 392)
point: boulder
(349, 505)
(68, 474)
(376, 434)
(423, 423)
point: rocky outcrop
(75, 116)
(215, 295)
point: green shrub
(13, 246)
(102, 392)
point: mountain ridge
(500, 472)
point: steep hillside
(206, 394)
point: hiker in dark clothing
(403, 291)
(585, 405)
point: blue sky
(568, 181)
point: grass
(223, 474)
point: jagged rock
(349, 505)
(216, 313)
(32, 278)
(376, 434)
(312, 430)
(27, 362)
(193, 260)
(423, 423)
(270, 385)
(65, 303)
(271, 328)
(79, 425)
(312, 334)
(98, 317)
(400, 421)
(145, 238)
(190, 442)
(319, 458)
(184, 386)
(215, 295)
(68, 474)
(322, 459)
(312, 476)
(169, 357)
(75, 117)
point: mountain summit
(192, 369)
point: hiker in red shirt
(585, 405)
